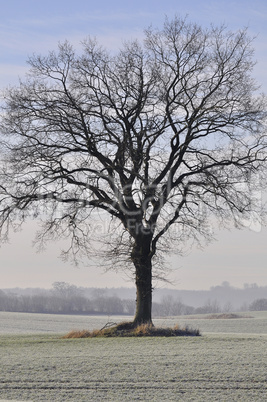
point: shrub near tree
(156, 137)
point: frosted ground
(227, 363)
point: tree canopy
(158, 137)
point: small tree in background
(258, 305)
(156, 138)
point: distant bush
(226, 316)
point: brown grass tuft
(78, 334)
(128, 329)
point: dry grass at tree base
(127, 329)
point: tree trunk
(143, 279)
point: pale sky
(34, 26)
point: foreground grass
(127, 330)
(226, 363)
(207, 368)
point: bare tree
(156, 138)
(65, 290)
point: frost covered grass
(26, 323)
(250, 323)
(208, 368)
(216, 366)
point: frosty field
(227, 363)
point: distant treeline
(66, 300)
(69, 299)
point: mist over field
(64, 298)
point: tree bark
(143, 280)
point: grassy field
(214, 367)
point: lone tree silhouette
(156, 137)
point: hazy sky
(35, 26)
